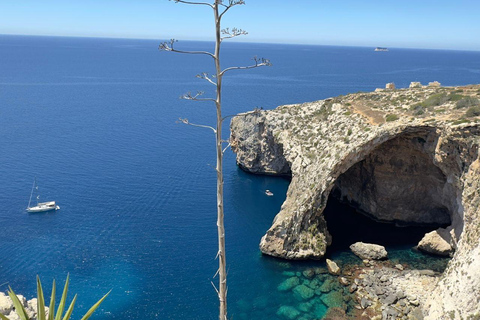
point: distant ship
(381, 49)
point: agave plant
(41, 314)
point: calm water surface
(95, 121)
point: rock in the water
(333, 267)
(302, 292)
(343, 281)
(369, 251)
(288, 284)
(309, 273)
(305, 306)
(288, 312)
(437, 242)
(399, 267)
(328, 285)
(333, 299)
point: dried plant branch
(228, 34)
(206, 76)
(169, 46)
(185, 121)
(231, 4)
(259, 62)
(215, 288)
(190, 2)
(195, 97)
(225, 149)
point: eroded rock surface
(406, 156)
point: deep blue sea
(95, 121)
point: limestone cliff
(407, 156)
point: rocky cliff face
(406, 156)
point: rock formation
(7, 308)
(405, 156)
(369, 251)
(437, 242)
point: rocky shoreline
(403, 156)
(7, 308)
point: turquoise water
(95, 121)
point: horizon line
(246, 42)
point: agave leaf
(63, 300)
(3, 317)
(19, 309)
(70, 309)
(94, 307)
(41, 301)
(51, 308)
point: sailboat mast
(31, 193)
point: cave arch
(399, 182)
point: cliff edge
(406, 156)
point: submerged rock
(328, 285)
(333, 299)
(288, 284)
(302, 292)
(288, 312)
(309, 273)
(369, 251)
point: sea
(95, 121)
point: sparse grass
(473, 112)
(418, 109)
(391, 117)
(460, 121)
(435, 100)
(467, 102)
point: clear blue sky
(437, 24)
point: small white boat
(268, 193)
(381, 49)
(41, 206)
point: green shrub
(473, 112)
(455, 96)
(467, 102)
(460, 121)
(391, 117)
(418, 109)
(435, 100)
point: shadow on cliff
(347, 226)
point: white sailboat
(41, 206)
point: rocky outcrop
(7, 308)
(369, 251)
(407, 156)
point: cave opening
(393, 197)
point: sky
(429, 24)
